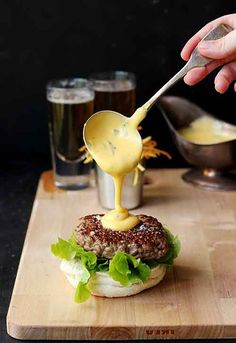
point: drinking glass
(115, 91)
(71, 102)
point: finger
(195, 76)
(198, 74)
(189, 47)
(193, 42)
(225, 77)
(235, 87)
(220, 48)
(229, 19)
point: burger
(108, 263)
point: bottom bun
(101, 284)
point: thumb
(220, 48)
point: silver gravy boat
(213, 162)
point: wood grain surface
(197, 299)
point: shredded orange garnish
(150, 150)
(86, 156)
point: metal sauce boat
(213, 162)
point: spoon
(113, 139)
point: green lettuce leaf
(85, 276)
(102, 265)
(70, 250)
(119, 269)
(82, 293)
(63, 249)
(174, 250)
(142, 272)
(126, 269)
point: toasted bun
(101, 284)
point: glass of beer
(71, 103)
(115, 91)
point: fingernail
(217, 84)
(187, 81)
(218, 87)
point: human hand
(222, 50)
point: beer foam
(69, 96)
(113, 86)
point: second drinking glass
(114, 91)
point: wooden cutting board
(197, 299)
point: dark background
(41, 40)
(45, 39)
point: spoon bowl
(113, 141)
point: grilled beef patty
(147, 240)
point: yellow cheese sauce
(116, 146)
(208, 130)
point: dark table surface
(18, 184)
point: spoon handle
(196, 60)
(164, 88)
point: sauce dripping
(116, 146)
